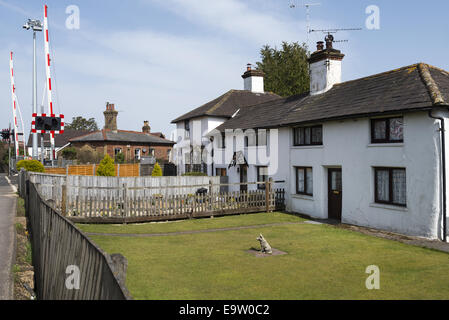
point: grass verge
(322, 262)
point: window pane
(380, 127)
(399, 186)
(317, 135)
(306, 135)
(301, 137)
(262, 137)
(309, 176)
(336, 181)
(382, 182)
(296, 136)
(251, 136)
(300, 179)
(396, 129)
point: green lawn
(323, 262)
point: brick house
(133, 144)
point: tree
(120, 158)
(80, 123)
(88, 155)
(106, 167)
(157, 171)
(286, 70)
(69, 153)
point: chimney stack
(325, 67)
(146, 127)
(110, 117)
(253, 80)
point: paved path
(8, 202)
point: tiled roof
(400, 90)
(123, 136)
(227, 104)
(60, 139)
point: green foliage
(120, 158)
(195, 174)
(30, 165)
(80, 123)
(286, 70)
(88, 155)
(157, 171)
(69, 153)
(106, 167)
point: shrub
(196, 174)
(106, 167)
(69, 153)
(30, 165)
(120, 158)
(88, 155)
(157, 171)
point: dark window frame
(223, 140)
(387, 130)
(299, 144)
(305, 181)
(217, 170)
(390, 186)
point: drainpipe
(443, 165)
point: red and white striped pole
(47, 69)
(14, 105)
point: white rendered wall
(347, 146)
(324, 76)
(253, 84)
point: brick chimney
(253, 80)
(110, 117)
(325, 67)
(146, 127)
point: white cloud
(237, 18)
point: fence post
(64, 200)
(118, 170)
(267, 194)
(125, 202)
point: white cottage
(368, 152)
(194, 146)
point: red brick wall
(128, 149)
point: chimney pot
(146, 127)
(110, 117)
(253, 80)
(320, 46)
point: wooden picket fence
(145, 199)
(121, 170)
(173, 207)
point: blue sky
(157, 59)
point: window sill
(308, 147)
(388, 207)
(302, 197)
(383, 145)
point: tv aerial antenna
(307, 6)
(330, 33)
